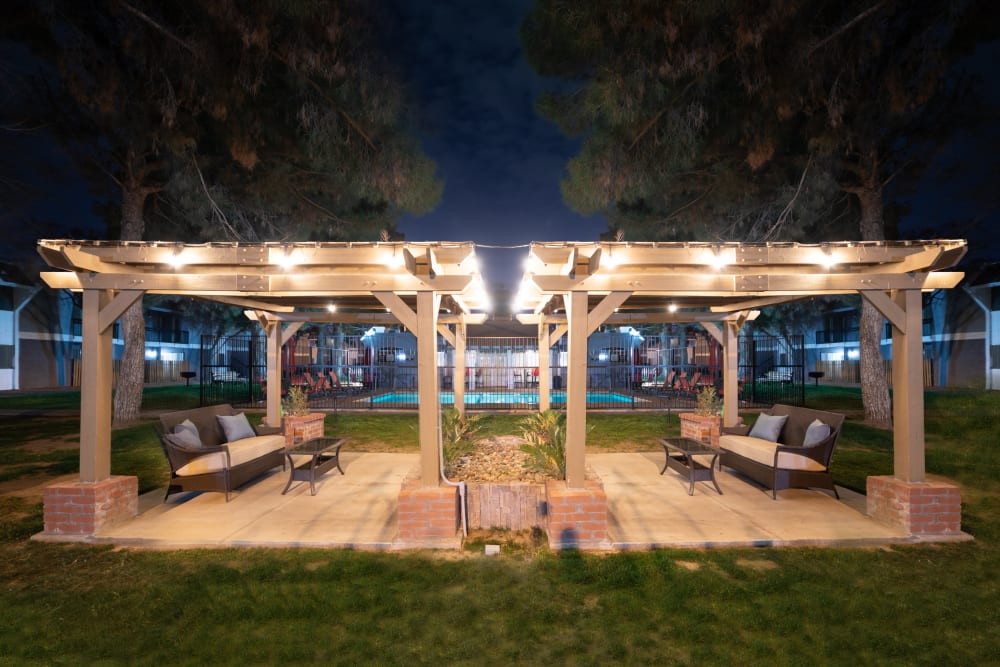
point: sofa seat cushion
(240, 452)
(762, 451)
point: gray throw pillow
(236, 427)
(182, 439)
(768, 427)
(187, 434)
(816, 433)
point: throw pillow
(182, 439)
(816, 433)
(187, 432)
(768, 427)
(236, 427)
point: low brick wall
(578, 517)
(920, 508)
(428, 516)
(83, 508)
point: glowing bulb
(287, 260)
(332, 307)
(672, 308)
(715, 259)
(176, 260)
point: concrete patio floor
(646, 510)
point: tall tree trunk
(131, 376)
(874, 385)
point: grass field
(905, 605)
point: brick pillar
(305, 427)
(83, 508)
(428, 516)
(921, 508)
(577, 518)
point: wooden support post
(576, 389)
(95, 402)
(908, 389)
(458, 381)
(730, 373)
(544, 385)
(427, 383)
(273, 398)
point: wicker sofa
(786, 463)
(215, 464)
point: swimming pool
(495, 397)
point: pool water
(492, 397)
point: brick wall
(921, 508)
(83, 508)
(577, 518)
(428, 516)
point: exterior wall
(954, 333)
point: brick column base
(577, 518)
(428, 517)
(83, 508)
(920, 508)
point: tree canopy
(250, 121)
(746, 120)
(225, 120)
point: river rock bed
(495, 459)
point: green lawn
(914, 605)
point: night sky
(501, 162)
(473, 97)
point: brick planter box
(704, 428)
(301, 428)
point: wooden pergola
(567, 289)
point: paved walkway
(356, 510)
(646, 510)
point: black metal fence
(772, 370)
(379, 371)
